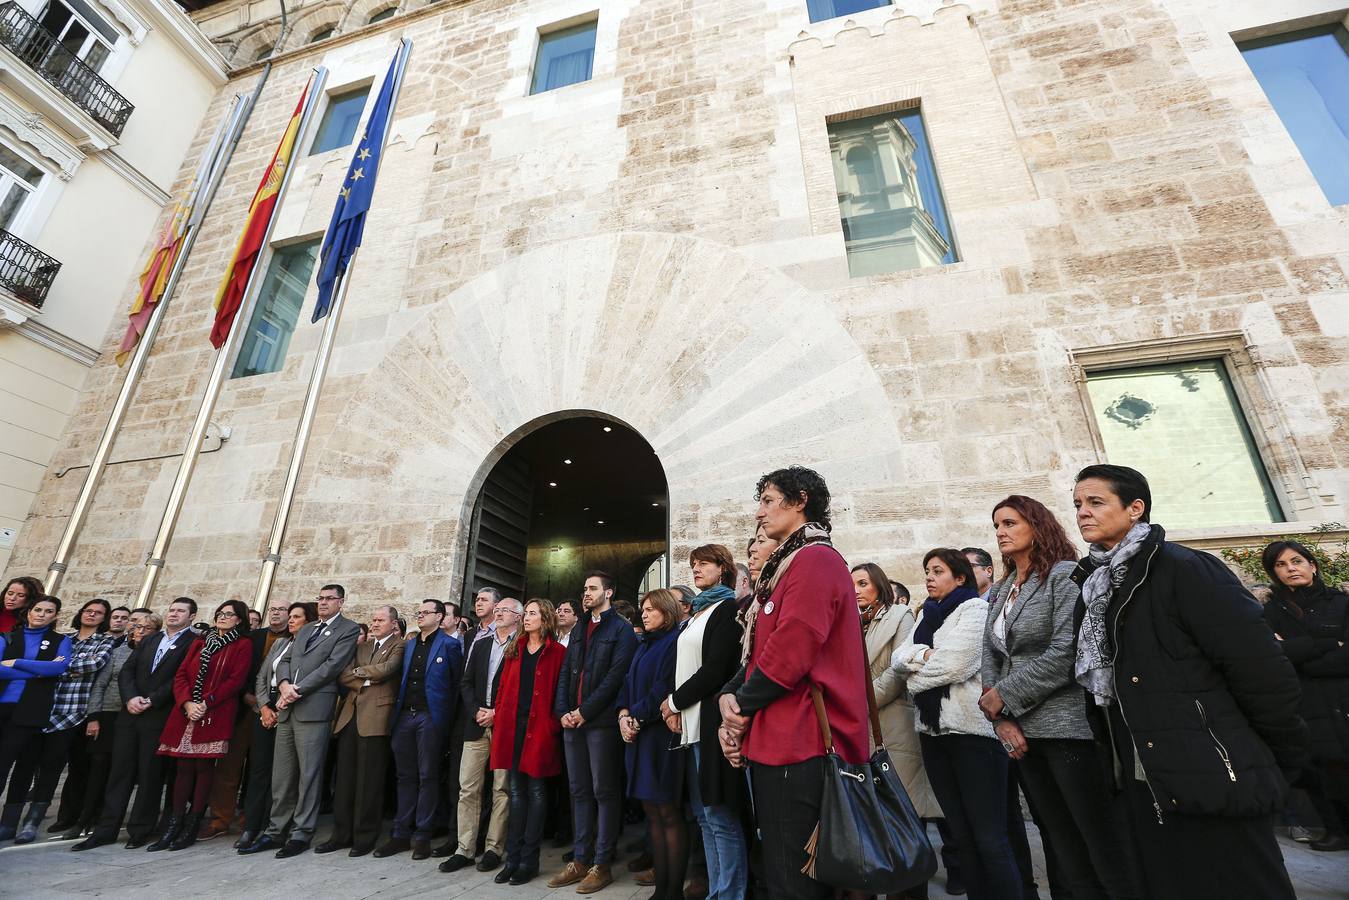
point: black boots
(9, 820)
(172, 828)
(28, 833)
(187, 835)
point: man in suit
(146, 686)
(477, 693)
(362, 729)
(423, 713)
(307, 686)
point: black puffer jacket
(1314, 625)
(1209, 698)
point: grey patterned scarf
(1095, 664)
(215, 641)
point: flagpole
(217, 160)
(305, 426)
(154, 564)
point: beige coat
(371, 705)
(888, 630)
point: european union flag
(353, 200)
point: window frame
(590, 20)
(329, 97)
(1292, 485)
(258, 310)
(379, 15)
(881, 5)
(24, 214)
(94, 36)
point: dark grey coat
(1033, 667)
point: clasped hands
(573, 719)
(732, 730)
(1008, 731)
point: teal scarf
(710, 596)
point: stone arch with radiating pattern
(727, 367)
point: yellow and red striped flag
(155, 275)
(230, 295)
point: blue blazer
(444, 665)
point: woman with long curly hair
(20, 593)
(1035, 704)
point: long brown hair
(547, 628)
(1050, 542)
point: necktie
(314, 636)
(159, 654)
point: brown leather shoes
(596, 879)
(645, 878)
(213, 829)
(572, 873)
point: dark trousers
(100, 767)
(787, 807)
(595, 773)
(134, 765)
(358, 799)
(1064, 781)
(53, 754)
(17, 742)
(258, 793)
(418, 746)
(1017, 840)
(969, 779)
(529, 811)
(76, 785)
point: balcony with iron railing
(25, 271)
(40, 50)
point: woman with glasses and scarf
(967, 768)
(1191, 695)
(206, 691)
(1311, 622)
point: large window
(1305, 74)
(565, 57)
(831, 9)
(1181, 425)
(889, 197)
(386, 13)
(337, 128)
(277, 310)
(80, 30)
(19, 183)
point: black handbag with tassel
(870, 838)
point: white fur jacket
(957, 652)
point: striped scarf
(215, 640)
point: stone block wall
(662, 244)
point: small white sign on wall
(7, 537)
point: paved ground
(47, 869)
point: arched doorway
(581, 493)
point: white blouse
(688, 660)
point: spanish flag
(231, 293)
(155, 276)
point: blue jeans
(594, 771)
(969, 778)
(418, 745)
(723, 842)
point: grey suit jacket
(262, 686)
(1032, 667)
(313, 667)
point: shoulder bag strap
(818, 699)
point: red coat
(810, 633)
(541, 756)
(224, 680)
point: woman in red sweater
(527, 737)
(206, 702)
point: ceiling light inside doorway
(607, 429)
(599, 521)
(552, 484)
(566, 462)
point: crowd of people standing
(1151, 711)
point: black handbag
(870, 838)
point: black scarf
(215, 640)
(935, 612)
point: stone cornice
(179, 28)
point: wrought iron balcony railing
(58, 66)
(25, 270)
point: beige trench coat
(888, 630)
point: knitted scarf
(773, 570)
(934, 616)
(869, 614)
(1094, 667)
(215, 640)
(710, 596)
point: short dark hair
(955, 561)
(46, 598)
(365, 629)
(452, 605)
(1127, 484)
(125, 609)
(240, 610)
(718, 555)
(574, 604)
(191, 604)
(982, 558)
(794, 481)
(144, 609)
(439, 604)
(336, 588)
(107, 614)
(627, 611)
(901, 592)
(606, 580)
(308, 607)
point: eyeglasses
(426, 612)
(225, 613)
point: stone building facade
(661, 245)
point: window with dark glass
(321, 35)
(277, 310)
(565, 57)
(387, 13)
(1305, 75)
(337, 128)
(19, 182)
(889, 198)
(80, 30)
(820, 10)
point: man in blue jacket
(601, 648)
(432, 663)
